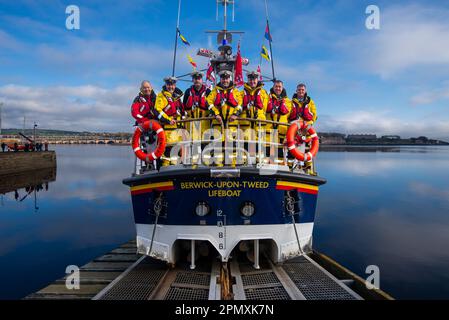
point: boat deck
(123, 275)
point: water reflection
(85, 212)
(384, 208)
(382, 148)
(26, 185)
(389, 210)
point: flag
(193, 63)
(260, 72)
(238, 77)
(210, 74)
(267, 33)
(183, 39)
(264, 53)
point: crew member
(278, 110)
(225, 103)
(255, 102)
(170, 109)
(303, 106)
(255, 98)
(142, 108)
(195, 103)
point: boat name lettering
(224, 184)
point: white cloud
(75, 108)
(430, 96)
(382, 122)
(411, 36)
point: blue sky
(388, 81)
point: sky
(394, 80)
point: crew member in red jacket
(142, 108)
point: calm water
(389, 209)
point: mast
(176, 39)
(271, 49)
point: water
(389, 209)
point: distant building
(391, 137)
(362, 137)
(332, 138)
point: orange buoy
(150, 125)
(296, 130)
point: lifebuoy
(293, 131)
(150, 125)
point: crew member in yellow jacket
(225, 101)
(225, 104)
(278, 110)
(170, 109)
(303, 106)
(255, 102)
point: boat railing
(236, 147)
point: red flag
(260, 72)
(210, 75)
(238, 78)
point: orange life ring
(293, 130)
(149, 125)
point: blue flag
(267, 33)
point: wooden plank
(132, 250)
(37, 296)
(106, 266)
(87, 289)
(118, 258)
(128, 246)
(340, 272)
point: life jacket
(197, 99)
(300, 110)
(225, 96)
(252, 98)
(174, 106)
(142, 108)
(276, 105)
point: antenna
(1, 105)
(224, 36)
(24, 119)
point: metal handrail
(224, 137)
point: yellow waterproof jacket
(279, 109)
(305, 110)
(169, 107)
(225, 102)
(252, 96)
